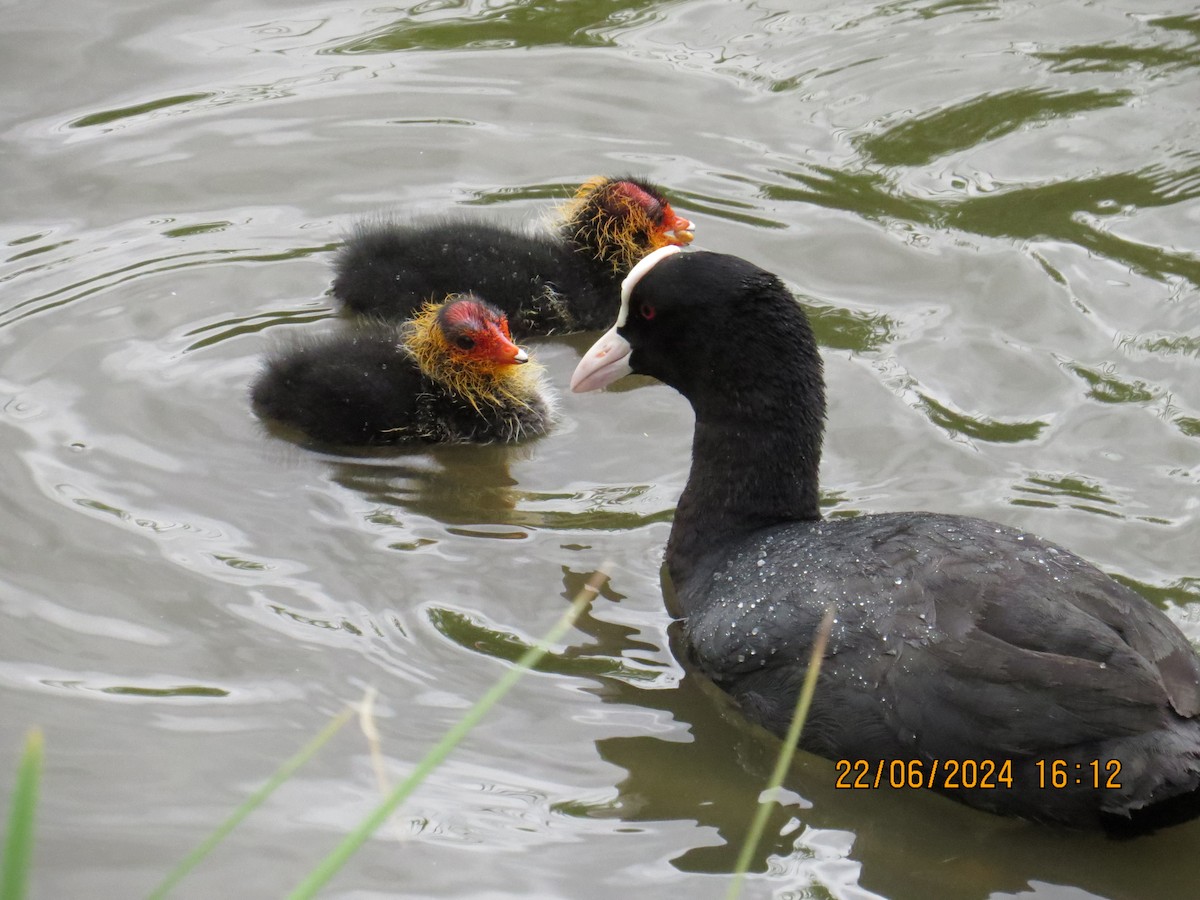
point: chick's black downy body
(451, 375)
(387, 271)
(545, 283)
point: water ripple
(1180, 50)
(919, 140)
(1073, 210)
(501, 26)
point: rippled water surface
(992, 210)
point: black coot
(450, 375)
(545, 283)
(958, 643)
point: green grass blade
(252, 803)
(785, 757)
(332, 863)
(18, 846)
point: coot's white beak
(607, 361)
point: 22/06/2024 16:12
(984, 774)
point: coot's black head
(725, 333)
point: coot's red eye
(647, 311)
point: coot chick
(959, 644)
(545, 283)
(450, 375)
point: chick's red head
(475, 330)
(667, 227)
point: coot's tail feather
(1164, 771)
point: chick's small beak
(677, 229)
(505, 352)
(494, 344)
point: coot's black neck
(757, 448)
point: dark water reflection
(989, 210)
(1071, 211)
(506, 26)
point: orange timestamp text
(1093, 773)
(973, 774)
(941, 774)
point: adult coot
(450, 375)
(984, 655)
(545, 283)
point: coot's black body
(544, 283)
(955, 639)
(367, 386)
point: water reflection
(1072, 210)
(978, 427)
(500, 26)
(1179, 49)
(468, 486)
(105, 265)
(919, 140)
(1108, 387)
(711, 767)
